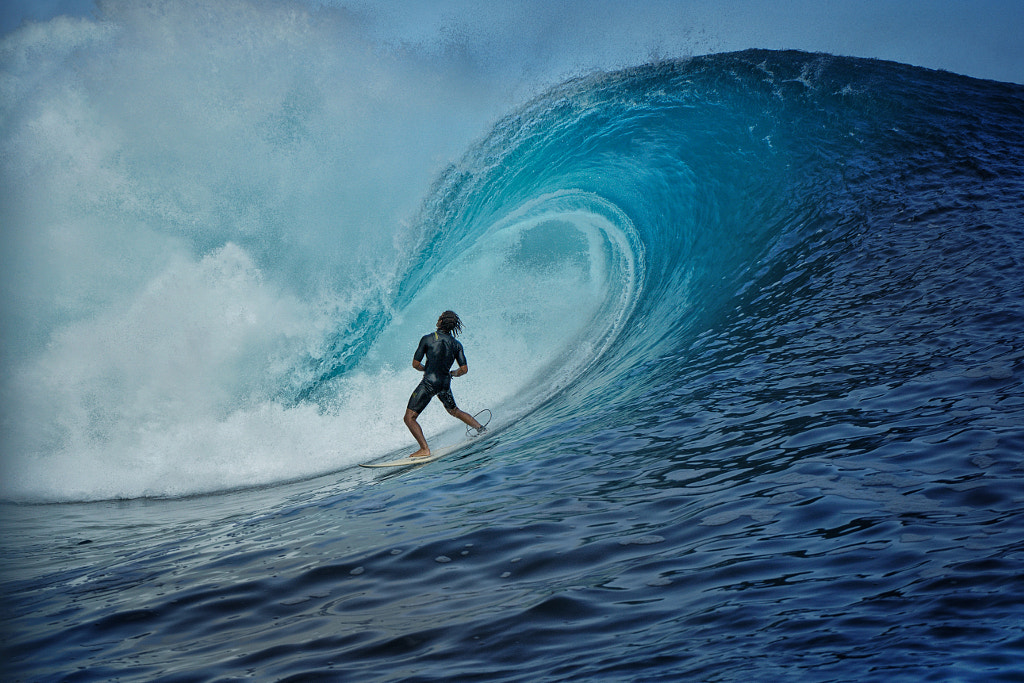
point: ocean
(751, 326)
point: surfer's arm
(421, 351)
(463, 369)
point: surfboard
(406, 462)
(440, 452)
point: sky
(980, 38)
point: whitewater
(750, 325)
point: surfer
(441, 349)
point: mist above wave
(196, 198)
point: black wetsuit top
(441, 350)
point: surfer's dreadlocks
(449, 322)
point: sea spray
(198, 200)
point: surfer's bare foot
(421, 453)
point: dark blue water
(783, 438)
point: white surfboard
(405, 462)
(435, 454)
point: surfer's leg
(417, 433)
(417, 402)
(467, 418)
(448, 401)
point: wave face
(751, 325)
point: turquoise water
(751, 328)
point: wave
(183, 323)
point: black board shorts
(425, 391)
